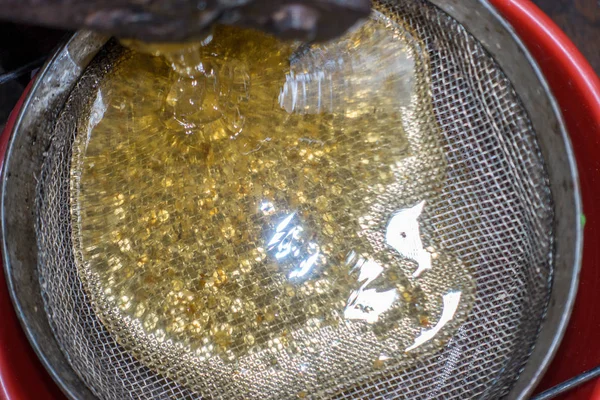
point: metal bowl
(32, 134)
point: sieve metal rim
(47, 91)
(564, 288)
(36, 114)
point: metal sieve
(510, 181)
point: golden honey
(234, 200)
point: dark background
(580, 20)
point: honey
(223, 206)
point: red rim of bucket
(577, 89)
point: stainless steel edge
(498, 37)
(46, 98)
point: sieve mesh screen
(493, 211)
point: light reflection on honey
(213, 213)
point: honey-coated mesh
(472, 158)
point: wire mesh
(494, 211)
